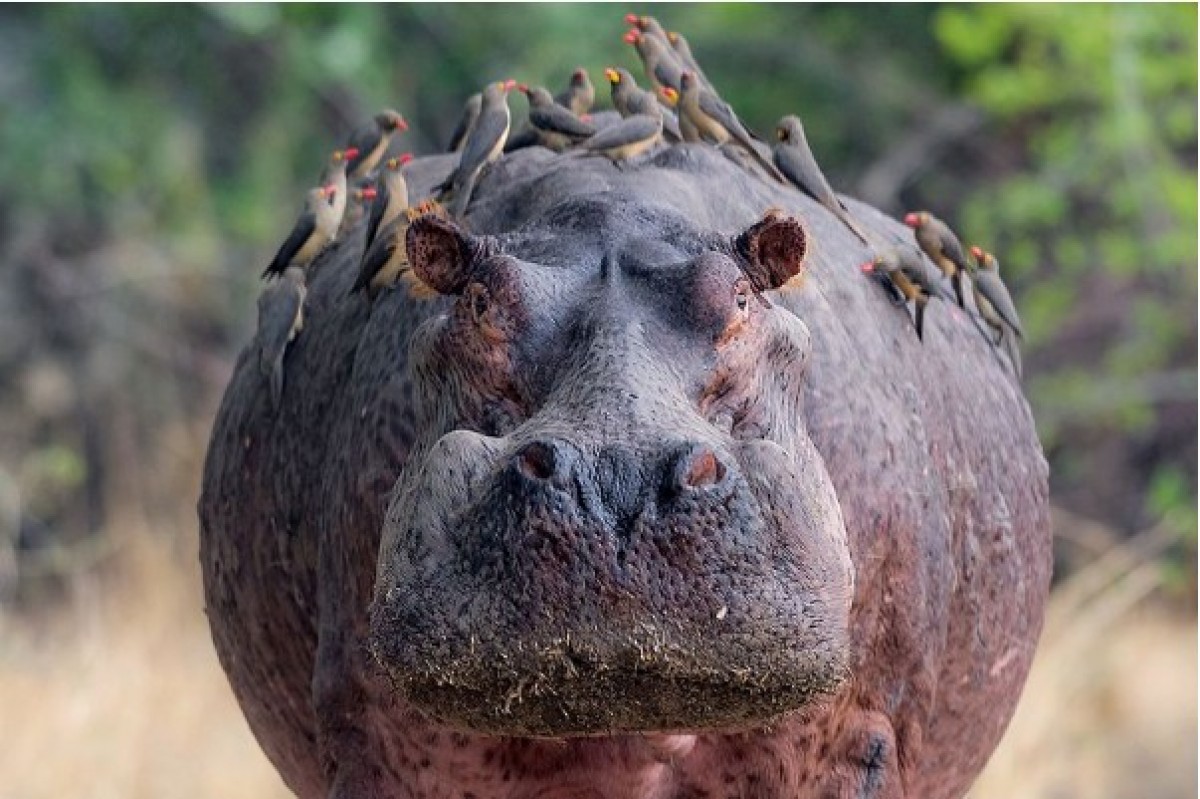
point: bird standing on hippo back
(912, 275)
(280, 319)
(391, 197)
(796, 161)
(938, 241)
(557, 128)
(996, 306)
(482, 147)
(313, 231)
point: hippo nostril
(537, 461)
(698, 467)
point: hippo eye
(742, 296)
(478, 300)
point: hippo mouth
(707, 610)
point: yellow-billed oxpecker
(795, 160)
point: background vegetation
(153, 157)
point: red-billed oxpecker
(315, 228)
(939, 242)
(996, 306)
(391, 196)
(912, 275)
(483, 146)
(372, 140)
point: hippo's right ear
(441, 254)
(773, 250)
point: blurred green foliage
(154, 156)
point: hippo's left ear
(773, 250)
(441, 254)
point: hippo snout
(550, 587)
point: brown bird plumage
(715, 121)
(938, 241)
(386, 261)
(912, 275)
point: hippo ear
(440, 254)
(773, 249)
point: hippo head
(615, 520)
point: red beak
(369, 193)
(978, 253)
(631, 19)
(402, 125)
(631, 36)
(868, 267)
(509, 85)
(350, 153)
(912, 220)
(404, 159)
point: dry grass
(119, 695)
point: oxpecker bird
(579, 95)
(795, 160)
(280, 318)
(662, 68)
(716, 121)
(684, 54)
(996, 306)
(557, 128)
(391, 196)
(911, 274)
(315, 228)
(371, 141)
(628, 98)
(939, 242)
(334, 174)
(483, 146)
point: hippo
(647, 492)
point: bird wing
(490, 128)
(636, 128)
(556, 119)
(993, 289)
(377, 255)
(303, 229)
(921, 272)
(378, 206)
(278, 306)
(366, 139)
(719, 110)
(469, 115)
(951, 246)
(801, 169)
